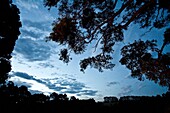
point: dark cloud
(89, 92)
(32, 50)
(47, 64)
(71, 91)
(54, 87)
(112, 83)
(82, 92)
(23, 75)
(127, 90)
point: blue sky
(35, 62)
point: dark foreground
(15, 99)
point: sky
(35, 62)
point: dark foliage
(83, 23)
(9, 32)
(18, 99)
(139, 59)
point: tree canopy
(102, 23)
(9, 32)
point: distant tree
(54, 96)
(9, 32)
(23, 95)
(63, 97)
(110, 99)
(73, 98)
(101, 24)
(39, 98)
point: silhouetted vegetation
(19, 99)
(102, 23)
(9, 32)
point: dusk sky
(35, 62)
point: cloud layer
(31, 43)
(59, 85)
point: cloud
(127, 90)
(27, 4)
(47, 65)
(78, 88)
(89, 92)
(36, 27)
(32, 50)
(68, 86)
(41, 81)
(141, 86)
(35, 30)
(32, 44)
(26, 76)
(112, 83)
(19, 83)
(129, 77)
(34, 10)
(35, 91)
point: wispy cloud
(27, 4)
(34, 10)
(35, 29)
(129, 77)
(89, 92)
(127, 90)
(47, 65)
(141, 86)
(32, 50)
(109, 84)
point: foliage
(101, 23)
(9, 32)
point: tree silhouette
(101, 24)
(9, 32)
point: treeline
(19, 100)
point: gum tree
(83, 23)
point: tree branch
(95, 47)
(136, 14)
(115, 3)
(161, 50)
(107, 20)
